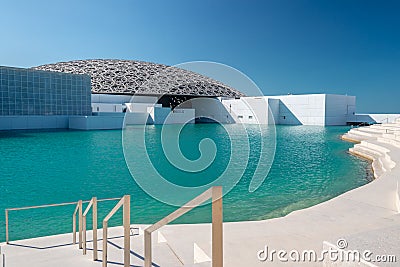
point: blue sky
(297, 46)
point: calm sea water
(311, 165)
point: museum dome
(142, 78)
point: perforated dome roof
(144, 78)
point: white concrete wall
(33, 122)
(313, 109)
(140, 107)
(96, 122)
(211, 108)
(111, 99)
(290, 110)
(273, 113)
(253, 110)
(177, 116)
(301, 109)
(106, 107)
(258, 110)
(339, 109)
(239, 110)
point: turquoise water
(311, 165)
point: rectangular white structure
(312, 109)
(252, 110)
(176, 116)
(302, 110)
(106, 107)
(339, 109)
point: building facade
(109, 94)
(310, 109)
(33, 99)
(31, 92)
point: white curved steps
(373, 144)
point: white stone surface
(199, 255)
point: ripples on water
(311, 165)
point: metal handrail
(125, 202)
(47, 206)
(93, 205)
(215, 193)
(387, 119)
(77, 209)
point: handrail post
(74, 228)
(7, 239)
(127, 228)
(213, 193)
(147, 249)
(84, 234)
(94, 213)
(89, 206)
(125, 202)
(80, 212)
(104, 243)
(217, 227)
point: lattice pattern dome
(136, 77)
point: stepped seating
(374, 156)
(373, 130)
(357, 135)
(386, 125)
(392, 131)
(391, 141)
(363, 132)
(394, 136)
(372, 145)
(389, 127)
(379, 130)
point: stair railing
(125, 202)
(215, 193)
(78, 210)
(31, 207)
(92, 204)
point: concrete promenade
(367, 218)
